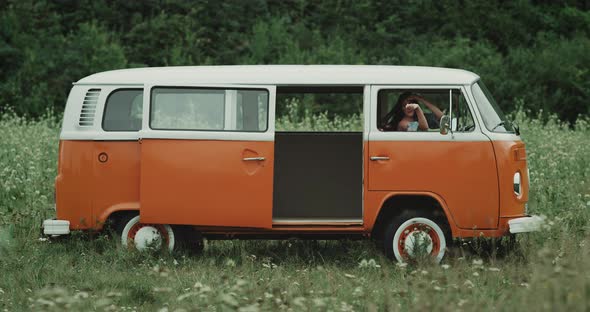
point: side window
(462, 117)
(412, 109)
(251, 111)
(209, 109)
(123, 110)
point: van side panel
(207, 182)
(462, 173)
(89, 186)
(116, 178)
(74, 185)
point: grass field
(549, 270)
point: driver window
(411, 110)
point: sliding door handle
(253, 158)
(374, 158)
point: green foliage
(525, 50)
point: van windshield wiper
(501, 123)
(514, 126)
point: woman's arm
(437, 112)
(422, 123)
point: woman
(407, 115)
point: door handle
(253, 158)
(379, 158)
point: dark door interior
(318, 175)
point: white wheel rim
(419, 232)
(147, 236)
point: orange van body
(212, 184)
(115, 186)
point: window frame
(461, 90)
(374, 134)
(106, 102)
(473, 117)
(223, 88)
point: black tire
(189, 239)
(412, 226)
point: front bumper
(56, 227)
(525, 224)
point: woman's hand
(410, 108)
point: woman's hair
(397, 113)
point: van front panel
(511, 157)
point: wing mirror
(444, 124)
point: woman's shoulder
(403, 125)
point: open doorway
(318, 169)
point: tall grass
(548, 271)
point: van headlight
(517, 184)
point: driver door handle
(374, 158)
(253, 158)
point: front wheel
(144, 236)
(412, 236)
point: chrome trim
(317, 221)
(253, 158)
(379, 158)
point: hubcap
(147, 237)
(418, 239)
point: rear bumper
(56, 227)
(525, 224)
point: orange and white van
(171, 155)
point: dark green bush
(531, 51)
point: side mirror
(444, 124)
(516, 128)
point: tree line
(533, 54)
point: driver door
(460, 166)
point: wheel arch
(395, 204)
(111, 214)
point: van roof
(284, 75)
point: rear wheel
(413, 236)
(145, 236)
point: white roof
(284, 75)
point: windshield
(491, 114)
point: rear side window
(209, 109)
(123, 110)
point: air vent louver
(89, 108)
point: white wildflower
(184, 296)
